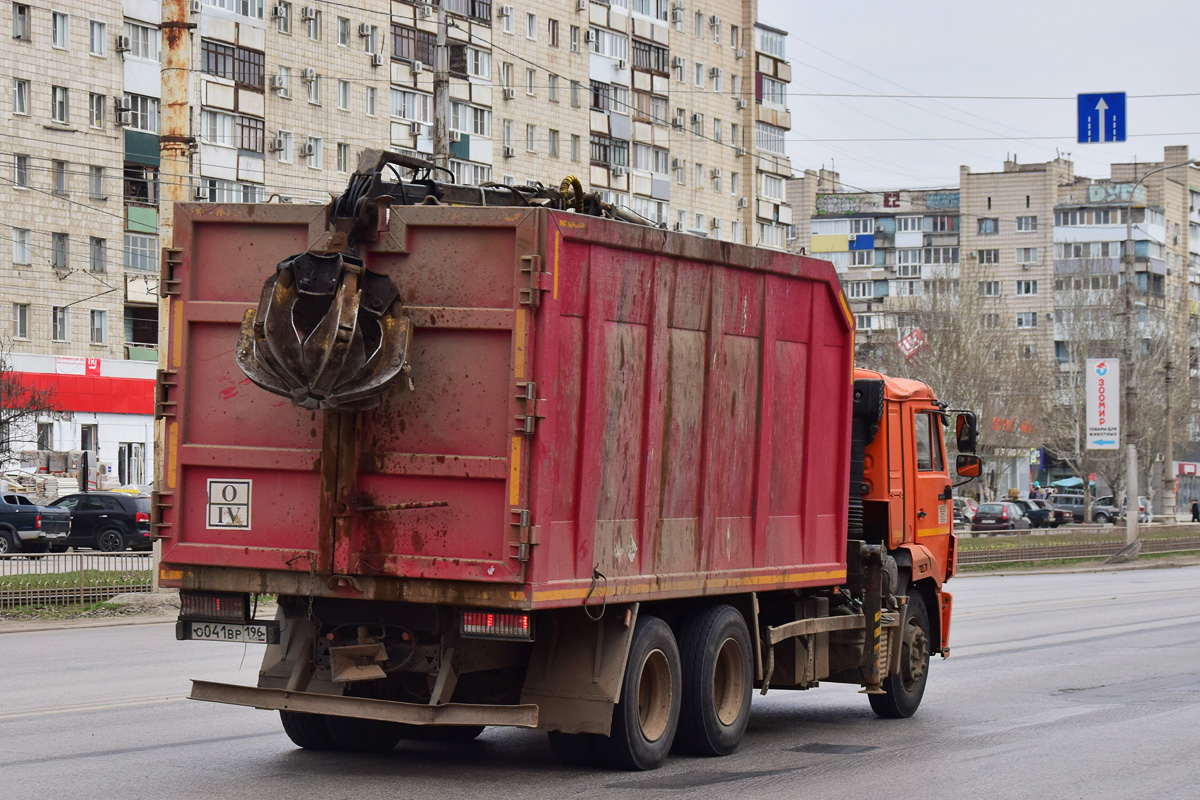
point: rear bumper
(522, 716)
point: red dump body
(591, 398)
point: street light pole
(1130, 400)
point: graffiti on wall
(1115, 193)
(834, 204)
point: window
(250, 134)
(773, 43)
(941, 255)
(508, 133)
(988, 226)
(989, 288)
(1028, 351)
(143, 41)
(699, 74)
(552, 32)
(58, 176)
(20, 250)
(97, 38)
(864, 322)
(651, 57)
(989, 321)
(413, 45)
(699, 174)
(734, 182)
(865, 225)
(343, 157)
(944, 224)
(531, 26)
(860, 290)
(552, 90)
(285, 80)
(1027, 319)
(553, 143)
(45, 435)
(60, 104)
(143, 113)
(531, 138)
(316, 152)
(479, 63)
(242, 66)
(370, 101)
(60, 30)
(216, 127)
(412, 106)
(343, 95)
(20, 170)
(97, 254)
(506, 22)
(506, 78)
(314, 90)
(1027, 287)
(989, 256)
(908, 263)
(1062, 352)
(773, 92)
(862, 258)
(285, 149)
(908, 224)
(20, 320)
(575, 146)
(699, 23)
(96, 182)
(1027, 255)
(651, 159)
(574, 38)
(21, 26)
(99, 335)
(96, 110)
(530, 81)
(1026, 224)
(141, 252)
(60, 250)
(769, 137)
(314, 24)
(607, 151)
(680, 66)
(928, 431)
(60, 323)
(89, 439)
(20, 96)
(698, 124)
(466, 118)
(609, 43)
(283, 19)
(343, 32)
(772, 186)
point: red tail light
(38, 522)
(1005, 514)
(141, 516)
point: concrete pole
(441, 95)
(175, 146)
(1131, 494)
(1128, 410)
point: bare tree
(20, 405)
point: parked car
(1038, 516)
(1058, 514)
(26, 527)
(964, 510)
(108, 521)
(1072, 503)
(1105, 509)
(1006, 516)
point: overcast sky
(1047, 48)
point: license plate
(253, 633)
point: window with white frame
(699, 74)
(989, 288)
(1027, 319)
(283, 17)
(531, 26)
(314, 24)
(343, 157)
(143, 113)
(862, 225)
(988, 256)
(530, 81)
(58, 176)
(1027, 255)
(20, 170)
(60, 104)
(860, 290)
(1025, 287)
(143, 42)
(343, 32)
(316, 154)
(141, 252)
(20, 320)
(574, 38)
(531, 138)
(774, 92)
(941, 255)
(552, 88)
(479, 63)
(908, 224)
(862, 258)
(652, 159)
(908, 288)
(773, 43)
(97, 38)
(1026, 224)
(314, 90)
(553, 143)
(60, 30)
(20, 245)
(284, 144)
(99, 326)
(771, 186)
(20, 96)
(610, 43)
(216, 127)
(21, 21)
(97, 254)
(467, 118)
(770, 235)
(370, 101)
(96, 108)
(412, 106)
(466, 172)
(344, 95)
(769, 137)
(60, 323)
(96, 182)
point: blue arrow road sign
(1102, 117)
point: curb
(35, 625)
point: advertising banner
(1103, 404)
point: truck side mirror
(966, 432)
(968, 466)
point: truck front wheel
(717, 681)
(647, 713)
(903, 689)
(307, 730)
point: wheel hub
(728, 682)
(654, 696)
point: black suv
(108, 521)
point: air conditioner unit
(201, 193)
(715, 224)
(677, 61)
(741, 104)
(122, 105)
(417, 68)
(425, 9)
(1026, 266)
(739, 151)
(676, 15)
(307, 150)
(197, 6)
(415, 128)
(277, 145)
(278, 11)
(716, 172)
(678, 123)
(506, 11)
(509, 93)
(508, 151)
(364, 29)
(678, 226)
(622, 64)
(123, 116)
(674, 163)
(697, 118)
(617, 170)
(278, 83)
(743, 202)
(854, 237)
(309, 74)
(307, 13)
(455, 136)
(122, 45)
(714, 72)
(589, 36)
(741, 53)
(580, 5)
(714, 20)
(376, 59)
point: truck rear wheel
(647, 714)
(307, 730)
(364, 735)
(576, 749)
(903, 690)
(717, 681)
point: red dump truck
(506, 457)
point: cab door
(933, 503)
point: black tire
(576, 749)
(110, 540)
(8, 543)
(364, 735)
(903, 690)
(718, 681)
(307, 730)
(445, 733)
(647, 714)
(1101, 518)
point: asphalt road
(1059, 686)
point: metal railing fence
(1065, 543)
(56, 579)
